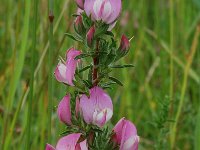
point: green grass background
(164, 81)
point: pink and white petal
(87, 109)
(116, 9)
(49, 147)
(83, 145)
(71, 64)
(109, 114)
(130, 144)
(118, 130)
(88, 7)
(100, 99)
(60, 73)
(64, 110)
(106, 10)
(97, 8)
(68, 142)
(99, 118)
(129, 130)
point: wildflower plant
(88, 108)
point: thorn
(131, 38)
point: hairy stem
(95, 65)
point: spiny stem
(50, 86)
(29, 119)
(95, 65)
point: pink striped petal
(64, 110)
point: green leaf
(109, 33)
(101, 30)
(84, 55)
(116, 80)
(73, 37)
(84, 69)
(87, 83)
(123, 66)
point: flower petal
(126, 135)
(98, 108)
(83, 145)
(68, 142)
(116, 9)
(64, 110)
(71, 64)
(60, 73)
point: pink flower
(126, 135)
(80, 3)
(105, 10)
(64, 110)
(65, 71)
(69, 142)
(98, 108)
(90, 36)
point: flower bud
(106, 10)
(90, 36)
(125, 135)
(125, 44)
(123, 48)
(80, 3)
(78, 24)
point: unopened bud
(78, 24)
(125, 44)
(123, 48)
(90, 36)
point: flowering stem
(95, 65)
(50, 88)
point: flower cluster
(87, 109)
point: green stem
(30, 102)
(171, 53)
(184, 86)
(171, 88)
(50, 87)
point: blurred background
(164, 84)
